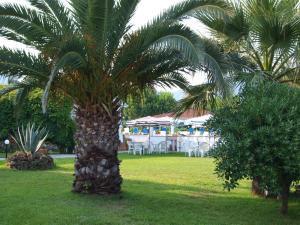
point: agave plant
(30, 138)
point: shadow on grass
(141, 202)
(158, 203)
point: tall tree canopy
(149, 104)
(263, 36)
(89, 52)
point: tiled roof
(191, 113)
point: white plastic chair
(162, 147)
(154, 148)
(203, 148)
(130, 147)
(138, 148)
(180, 145)
(193, 150)
(146, 149)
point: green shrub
(58, 120)
(260, 138)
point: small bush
(260, 139)
(28, 161)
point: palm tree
(89, 52)
(206, 96)
(264, 36)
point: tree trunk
(97, 141)
(285, 191)
(298, 190)
(256, 189)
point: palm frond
(12, 87)
(267, 32)
(184, 9)
(99, 21)
(57, 11)
(21, 95)
(88, 51)
(71, 59)
(17, 64)
(26, 24)
(120, 25)
(79, 10)
(199, 97)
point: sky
(147, 9)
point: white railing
(175, 143)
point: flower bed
(28, 161)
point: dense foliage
(258, 39)
(57, 121)
(149, 104)
(265, 32)
(260, 138)
(7, 116)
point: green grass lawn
(156, 190)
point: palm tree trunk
(97, 141)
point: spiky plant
(89, 52)
(30, 138)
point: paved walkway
(56, 156)
(62, 156)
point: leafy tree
(151, 103)
(8, 122)
(260, 133)
(58, 119)
(89, 52)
